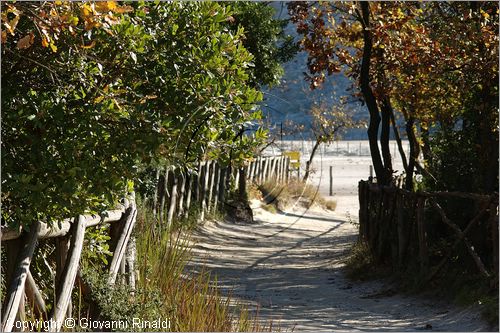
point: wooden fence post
(260, 169)
(155, 198)
(283, 169)
(62, 247)
(35, 297)
(216, 186)
(401, 228)
(68, 277)
(15, 293)
(121, 245)
(190, 190)
(222, 189)
(182, 193)
(199, 181)
(236, 178)
(211, 186)
(130, 257)
(204, 190)
(331, 180)
(228, 179)
(267, 169)
(253, 166)
(173, 199)
(422, 241)
(163, 198)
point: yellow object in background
(294, 158)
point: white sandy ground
(290, 267)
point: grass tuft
(294, 192)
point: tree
(328, 125)
(265, 39)
(406, 57)
(95, 92)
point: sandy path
(291, 266)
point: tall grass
(192, 301)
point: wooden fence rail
(403, 227)
(177, 191)
(20, 245)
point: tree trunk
(414, 152)
(369, 98)
(242, 184)
(398, 139)
(384, 138)
(308, 163)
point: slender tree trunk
(398, 139)
(308, 163)
(384, 137)
(369, 98)
(242, 184)
(414, 151)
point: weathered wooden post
(15, 293)
(35, 297)
(206, 180)
(65, 287)
(273, 174)
(191, 182)
(267, 164)
(173, 199)
(126, 226)
(211, 186)
(422, 241)
(260, 170)
(216, 186)
(163, 198)
(182, 193)
(331, 180)
(130, 257)
(401, 228)
(222, 185)
(61, 248)
(155, 198)
(236, 177)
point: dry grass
(294, 192)
(192, 301)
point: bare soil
(289, 266)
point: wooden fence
(403, 227)
(206, 188)
(20, 246)
(176, 192)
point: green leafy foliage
(163, 82)
(265, 39)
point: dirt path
(290, 264)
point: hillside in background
(292, 99)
